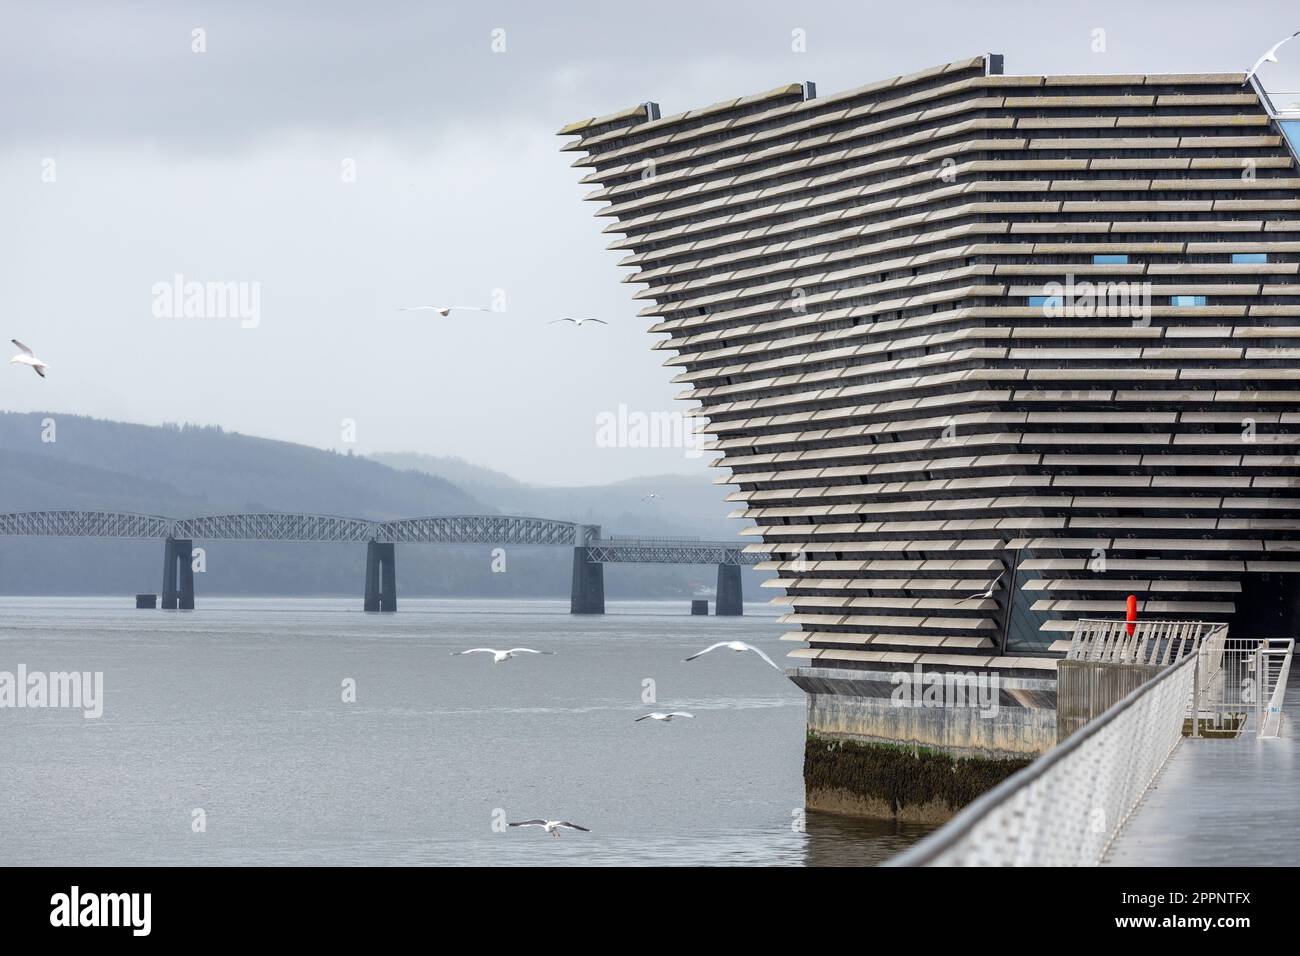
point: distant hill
(667, 505)
(450, 467)
(188, 470)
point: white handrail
(1270, 721)
(1141, 642)
(1066, 807)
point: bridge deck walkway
(1222, 802)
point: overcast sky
(127, 158)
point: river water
(226, 738)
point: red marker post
(1132, 614)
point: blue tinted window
(1109, 260)
(1242, 258)
(1044, 301)
(1187, 300)
(1292, 130)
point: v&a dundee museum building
(981, 355)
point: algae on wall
(895, 779)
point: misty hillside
(184, 470)
(680, 506)
(457, 470)
(189, 470)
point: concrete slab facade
(980, 354)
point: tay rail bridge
(591, 551)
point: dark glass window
(1023, 630)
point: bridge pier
(381, 576)
(178, 574)
(731, 598)
(587, 596)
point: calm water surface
(237, 709)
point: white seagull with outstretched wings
(443, 310)
(499, 657)
(25, 356)
(737, 646)
(578, 322)
(664, 717)
(1269, 57)
(551, 826)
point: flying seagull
(1269, 57)
(26, 357)
(649, 496)
(499, 657)
(578, 322)
(735, 646)
(551, 826)
(664, 717)
(989, 593)
(443, 310)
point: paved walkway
(1222, 802)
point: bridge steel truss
(274, 526)
(288, 526)
(85, 524)
(650, 551)
(487, 529)
(591, 551)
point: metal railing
(1150, 642)
(1243, 688)
(1066, 807)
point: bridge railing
(1066, 807)
(1243, 688)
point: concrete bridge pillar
(381, 576)
(178, 574)
(731, 599)
(587, 596)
